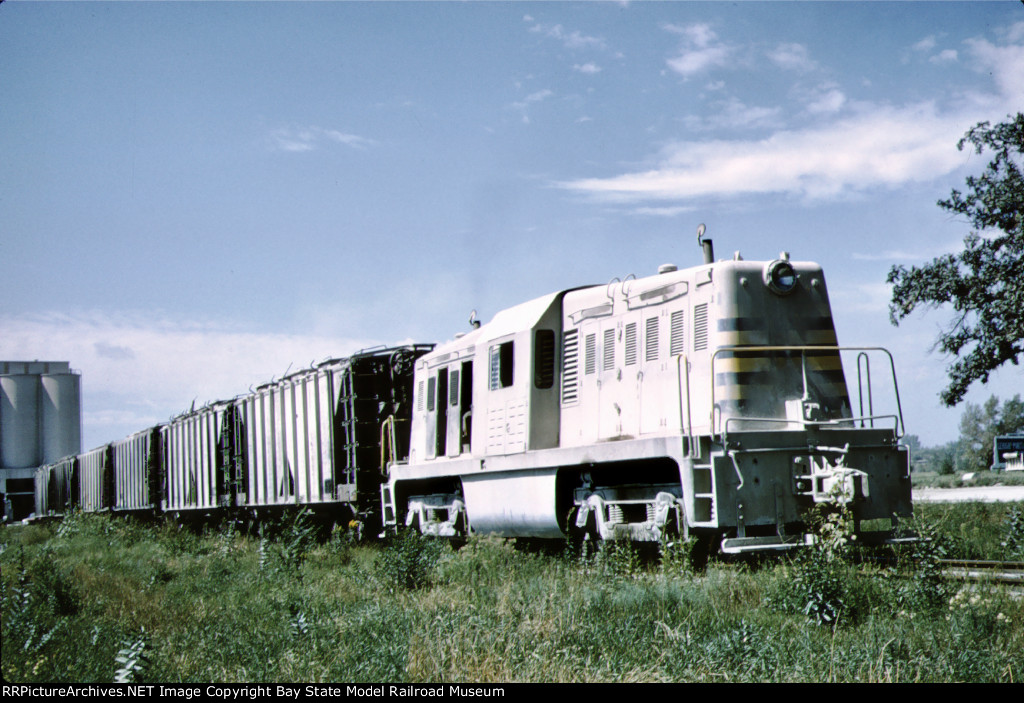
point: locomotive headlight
(780, 277)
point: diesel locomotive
(711, 402)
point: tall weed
(407, 560)
(822, 576)
(924, 590)
(618, 557)
(132, 659)
(1013, 544)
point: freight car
(310, 439)
(709, 402)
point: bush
(946, 463)
(679, 557)
(1013, 545)
(924, 590)
(618, 557)
(132, 659)
(408, 559)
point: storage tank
(40, 413)
(19, 421)
(61, 415)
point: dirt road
(984, 494)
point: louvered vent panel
(700, 327)
(590, 354)
(570, 367)
(608, 352)
(676, 345)
(453, 388)
(631, 348)
(651, 347)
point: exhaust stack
(706, 245)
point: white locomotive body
(709, 401)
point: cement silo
(60, 402)
(40, 422)
(19, 421)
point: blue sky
(197, 197)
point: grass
(932, 479)
(96, 598)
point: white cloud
(523, 105)
(872, 146)
(826, 99)
(352, 140)
(588, 68)
(151, 367)
(866, 297)
(289, 140)
(700, 51)
(885, 147)
(1005, 64)
(699, 34)
(663, 211)
(1014, 33)
(311, 138)
(945, 56)
(690, 63)
(892, 255)
(734, 114)
(926, 44)
(535, 97)
(792, 57)
(571, 40)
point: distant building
(40, 422)
(1008, 452)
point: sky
(197, 198)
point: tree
(913, 443)
(980, 425)
(984, 282)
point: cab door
(460, 407)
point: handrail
(624, 289)
(826, 423)
(387, 432)
(608, 289)
(860, 387)
(680, 360)
(900, 426)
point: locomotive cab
(481, 400)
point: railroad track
(1008, 572)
